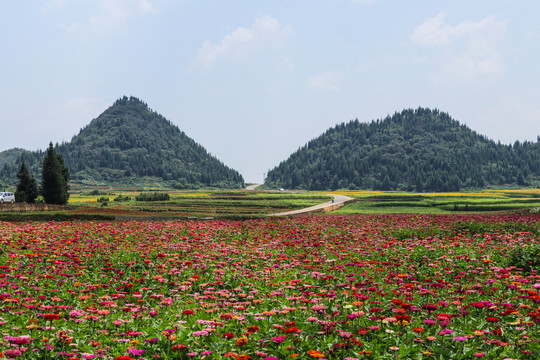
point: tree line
(414, 150)
(54, 181)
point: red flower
(51, 317)
(429, 307)
(492, 319)
(291, 330)
(227, 335)
(252, 329)
(188, 312)
(404, 317)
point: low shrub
(153, 197)
(120, 198)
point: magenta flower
(135, 352)
(279, 339)
(12, 353)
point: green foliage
(526, 258)
(153, 197)
(417, 233)
(55, 178)
(415, 150)
(131, 144)
(121, 198)
(27, 190)
(479, 228)
(103, 199)
(96, 193)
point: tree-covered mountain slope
(414, 150)
(131, 144)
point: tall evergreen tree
(55, 177)
(27, 190)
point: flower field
(320, 287)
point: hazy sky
(254, 80)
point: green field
(220, 204)
(238, 204)
(369, 202)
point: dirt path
(252, 187)
(334, 204)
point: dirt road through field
(334, 204)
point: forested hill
(131, 144)
(415, 150)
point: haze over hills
(414, 150)
(130, 144)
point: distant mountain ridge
(131, 144)
(414, 150)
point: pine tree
(55, 177)
(27, 190)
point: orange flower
(315, 354)
(242, 341)
(242, 357)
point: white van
(7, 197)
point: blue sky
(252, 81)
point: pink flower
(135, 352)
(12, 353)
(278, 339)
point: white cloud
(74, 114)
(52, 5)
(113, 12)
(468, 49)
(264, 30)
(71, 28)
(500, 120)
(328, 80)
(284, 65)
(435, 31)
(145, 7)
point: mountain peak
(130, 143)
(419, 149)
